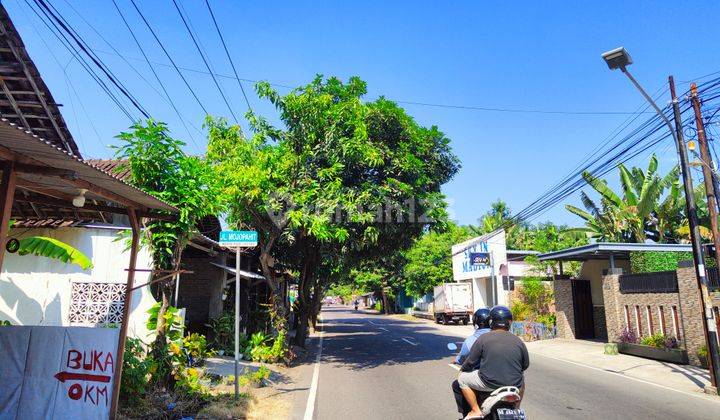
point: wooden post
(126, 312)
(7, 195)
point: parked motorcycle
(499, 404)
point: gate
(583, 309)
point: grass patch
(224, 406)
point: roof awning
(243, 273)
(56, 176)
(603, 250)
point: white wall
(480, 275)
(37, 290)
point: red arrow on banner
(64, 376)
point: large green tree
(429, 260)
(341, 180)
(159, 167)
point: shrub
(659, 340)
(628, 336)
(378, 306)
(651, 262)
(260, 351)
(547, 319)
(223, 333)
(173, 322)
(520, 310)
(196, 347)
(703, 351)
(136, 370)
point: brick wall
(600, 325)
(692, 312)
(565, 318)
(680, 313)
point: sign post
(238, 239)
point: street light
(620, 59)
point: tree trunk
(385, 308)
(159, 346)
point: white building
(43, 291)
(492, 282)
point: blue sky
(519, 55)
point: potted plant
(657, 346)
(703, 356)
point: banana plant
(43, 246)
(637, 215)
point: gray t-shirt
(502, 358)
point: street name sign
(238, 238)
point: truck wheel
(465, 321)
(437, 320)
(445, 320)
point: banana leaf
(43, 246)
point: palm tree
(637, 215)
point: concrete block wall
(565, 318)
(600, 323)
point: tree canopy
(341, 180)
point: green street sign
(238, 238)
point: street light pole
(620, 59)
(709, 326)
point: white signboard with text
(57, 372)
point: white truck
(453, 302)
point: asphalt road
(376, 367)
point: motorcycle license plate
(510, 414)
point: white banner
(56, 372)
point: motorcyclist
(497, 358)
(356, 304)
(481, 322)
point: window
(96, 303)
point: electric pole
(709, 326)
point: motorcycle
(499, 404)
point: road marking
(384, 329)
(454, 366)
(409, 342)
(310, 407)
(702, 396)
(371, 322)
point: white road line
(310, 407)
(409, 342)
(454, 366)
(371, 322)
(698, 395)
(384, 329)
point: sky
(523, 55)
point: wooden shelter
(38, 172)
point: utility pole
(709, 326)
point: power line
(65, 42)
(227, 53)
(57, 17)
(152, 69)
(516, 110)
(207, 64)
(167, 54)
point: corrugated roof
(32, 148)
(24, 98)
(603, 250)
